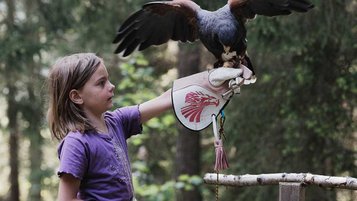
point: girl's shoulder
(88, 137)
(77, 135)
(125, 121)
(123, 113)
(84, 141)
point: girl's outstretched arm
(215, 80)
(155, 107)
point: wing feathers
(300, 6)
(250, 8)
(128, 24)
(156, 23)
(131, 47)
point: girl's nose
(111, 86)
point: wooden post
(291, 192)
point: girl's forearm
(156, 106)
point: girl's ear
(75, 97)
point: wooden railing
(291, 185)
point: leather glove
(242, 75)
(236, 77)
(218, 76)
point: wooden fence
(291, 185)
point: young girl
(94, 162)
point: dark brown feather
(156, 23)
(249, 8)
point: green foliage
(153, 192)
(166, 191)
(187, 182)
(136, 83)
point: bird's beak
(227, 49)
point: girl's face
(97, 93)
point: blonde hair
(69, 72)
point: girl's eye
(102, 83)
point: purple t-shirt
(101, 161)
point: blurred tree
(299, 116)
(188, 142)
(10, 70)
(188, 149)
(31, 103)
(26, 36)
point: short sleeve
(129, 118)
(73, 158)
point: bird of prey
(222, 31)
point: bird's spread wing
(249, 8)
(156, 23)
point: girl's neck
(98, 123)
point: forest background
(300, 116)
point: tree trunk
(188, 142)
(36, 141)
(32, 110)
(12, 112)
(35, 176)
(13, 143)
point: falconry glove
(199, 96)
(236, 78)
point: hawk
(222, 32)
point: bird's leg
(238, 60)
(234, 62)
(218, 64)
(231, 63)
(228, 64)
